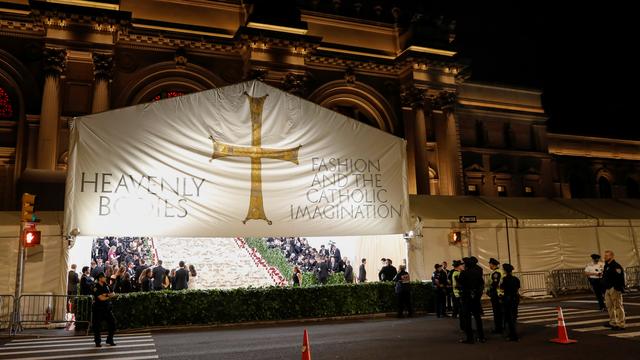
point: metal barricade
(567, 281)
(534, 283)
(48, 311)
(6, 310)
(632, 275)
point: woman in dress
(145, 280)
(193, 278)
(296, 279)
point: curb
(248, 324)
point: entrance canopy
(242, 160)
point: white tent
(543, 234)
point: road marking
(95, 354)
(45, 338)
(89, 347)
(566, 313)
(595, 302)
(117, 339)
(555, 318)
(602, 328)
(593, 321)
(83, 343)
(626, 335)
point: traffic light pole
(15, 323)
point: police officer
(495, 293)
(457, 268)
(593, 270)
(613, 281)
(471, 285)
(510, 286)
(102, 310)
(440, 282)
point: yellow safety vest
(454, 283)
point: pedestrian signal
(30, 238)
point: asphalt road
(415, 338)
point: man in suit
(322, 271)
(362, 272)
(182, 277)
(72, 281)
(348, 272)
(139, 269)
(86, 282)
(158, 273)
(99, 268)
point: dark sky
(585, 59)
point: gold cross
(256, 153)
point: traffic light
(28, 201)
(455, 237)
(30, 238)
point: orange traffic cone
(562, 338)
(306, 347)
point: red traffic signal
(30, 238)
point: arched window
(168, 94)
(604, 187)
(6, 105)
(633, 189)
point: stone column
(417, 100)
(102, 72)
(449, 147)
(54, 65)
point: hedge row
(276, 258)
(191, 307)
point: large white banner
(242, 160)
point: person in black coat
(613, 282)
(86, 282)
(348, 272)
(471, 284)
(510, 286)
(72, 281)
(440, 283)
(158, 276)
(322, 271)
(182, 278)
(403, 291)
(362, 272)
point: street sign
(468, 219)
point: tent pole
(506, 223)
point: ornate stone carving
(412, 96)
(180, 58)
(102, 66)
(295, 84)
(257, 74)
(55, 61)
(446, 100)
(350, 76)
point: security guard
(102, 310)
(471, 284)
(495, 293)
(457, 268)
(613, 281)
(510, 285)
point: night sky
(584, 59)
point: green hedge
(275, 258)
(187, 307)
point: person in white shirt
(593, 270)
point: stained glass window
(6, 108)
(168, 94)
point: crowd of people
(460, 290)
(303, 257)
(128, 266)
